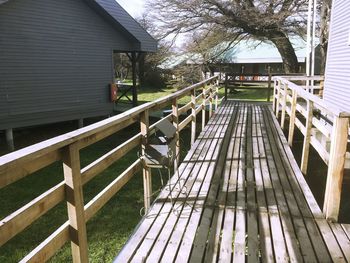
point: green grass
(107, 231)
(148, 94)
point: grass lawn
(109, 229)
(149, 94)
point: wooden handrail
(331, 108)
(65, 148)
(328, 139)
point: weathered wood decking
(244, 199)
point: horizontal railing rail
(308, 112)
(65, 148)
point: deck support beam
(146, 171)
(80, 123)
(194, 116)
(75, 203)
(284, 105)
(336, 168)
(203, 108)
(307, 137)
(10, 140)
(292, 118)
(175, 113)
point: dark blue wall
(55, 61)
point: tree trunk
(287, 52)
(324, 31)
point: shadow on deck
(241, 197)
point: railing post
(274, 95)
(216, 98)
(203, 108)
(292, 118)
(269, 86)
(278, 98)
(146, 171)
(193, 113)
(336, 168)
(176, 124)
(210, 101)
(284, 105)
(75, 203)
(307, 137)
(226, 84)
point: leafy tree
(273, 20)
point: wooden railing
(65, 149)
(326, 128)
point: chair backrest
(167, 128)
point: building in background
(56, 58)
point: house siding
(337, 90)
(55, 61)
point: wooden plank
(185, 122)
(75, 203)
(177, 127)
(49, 246)
(307, 136)
(199, 244)
(285, 245)
(292, 118)
(210, 101)
(298, 182)
(189, 234)
(278, 98)
(200, 148)
(330, 241)
(185, 108)
(16, 171)
(193, 114)
(110, 190)
(346, 228)
(284, 105)
(26, 215)
(220, 240)
(226, 247)
(336, 168)
(300, 235)
(203, 108)
(193, 186)
(146, 171)
(343, 240)
(252, 217)
(184, 232)
(102, 163)
(265, 238)
(239, 241)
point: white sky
(133, 7)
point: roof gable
(119, 18)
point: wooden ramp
(241, 198)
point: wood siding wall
(337, 89)
(55, 61)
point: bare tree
(274, 20)
(325, 13)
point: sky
(133, 7)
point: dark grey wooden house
(56, 58)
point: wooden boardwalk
(242, 198)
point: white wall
(337, 77)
